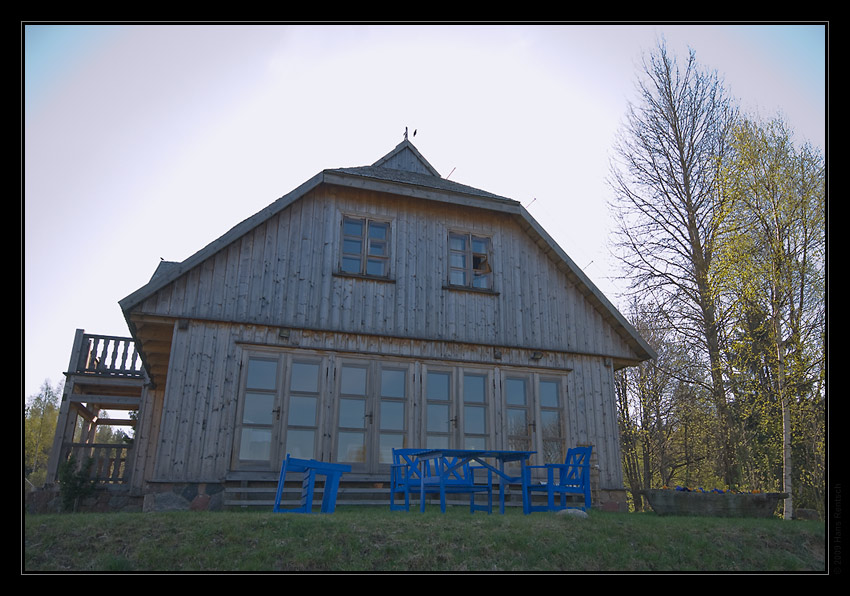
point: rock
(165, 502)
(573, 513)
(807, 514)
(200, 503)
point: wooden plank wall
(282, 273)
(199, 412)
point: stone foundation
(102, 501)
(182, 497)
(186, 497)
(614, 500)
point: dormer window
(365, 247)
(470, 261)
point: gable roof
(404, 171)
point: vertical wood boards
(284, 272)
(198, 414)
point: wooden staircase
(261, 494)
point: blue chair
(440, 475)
(404, 477)
(570, 478)
(310, 468)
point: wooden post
(66, 421)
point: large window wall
(355, 409)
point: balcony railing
(109, 462)
(109, 355)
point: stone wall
(102, 501)
(182, 497)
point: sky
(147, 142)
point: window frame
(470, 270)
(366, 242)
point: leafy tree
(769, 269)
(40, 417)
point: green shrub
(74, 484)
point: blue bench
(570, 478)
(309, 468)
(411, 474)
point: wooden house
(370, 308)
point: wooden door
(280, 409)
(373, 410)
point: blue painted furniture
(405, 476)
(452, 470)
(310, 468)
(570, 478)
(441, 475)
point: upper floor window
(365, 247)
(469, 261)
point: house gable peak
(406, 157)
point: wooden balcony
(105, 373)
(108, 462)
(108, 356)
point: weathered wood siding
(282, 273)
(196, 438)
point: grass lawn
(374, 539)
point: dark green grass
(367, 539)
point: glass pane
(378, 230)
(351, 246)
(438, 418)
(376, 267)
(305, 377)
(302, 411)
(255, 443)
(517, 422)
(437, 442)
(551, 422)
(481, 281)
(515, 391)
(393, 383)
(299, 443)
(457, 242)
(258, 408)
(438, 386)
(352, 413)
(353, 381)
(351, 265)
(553, 452)
(262, 374)
(475, 443)
(519, 444)
(352, 227)
(457, 259)
(392, 415)
(351, 446)
(475, 420)
(474, 387)
(377, 248)
(388, 442)
(457, 278)
(480, 245)
(549, 394)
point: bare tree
(667, 205)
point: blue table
(479, 456)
